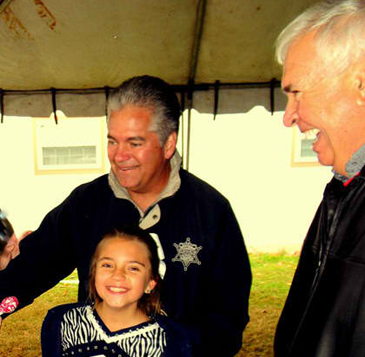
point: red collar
(346, 183)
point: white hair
(339, 28)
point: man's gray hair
(151, 93)
(339, 27)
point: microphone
(8, 305)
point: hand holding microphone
(8, 305)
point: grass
(272, 275)
(20, 333)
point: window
(72, 145)
(69, 155)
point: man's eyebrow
(136, 138)
(132, 138)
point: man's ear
(170, 145)
(360, 86)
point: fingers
(26, 233)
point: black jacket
(324, 315)
(197, 227)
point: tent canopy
(92, 44)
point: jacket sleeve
(46, 257)
(51, 331)
(229, 290)
(181, 340)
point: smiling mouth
(126, 169)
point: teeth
(117, 290)
(311, 134)
(127, 168)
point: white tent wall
(245, 154)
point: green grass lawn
(20, 333)
(272, 275)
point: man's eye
(134, 144)
(106, 265)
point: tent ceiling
(96, 43)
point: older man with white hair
(323, 54)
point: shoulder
(193, 185)
(51, 329)
(100, 183)
(56, 313)
(87, 193)
(64, 313)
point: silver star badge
(187, 253)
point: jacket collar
(172, 185)
(353, 166)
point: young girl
(124, 318)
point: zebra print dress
(83, 334)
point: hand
(26, 233)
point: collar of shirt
(353, 166)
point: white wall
(248, 158)
(245, 155)
(27, 197)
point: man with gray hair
(204, 262)
(323, 53)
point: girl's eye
(134, 268)
(106, 265)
